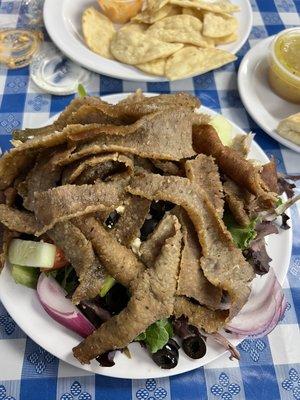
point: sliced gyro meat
(236, 199)
(200, 316)
(152, 299)
(68, 201)
(203, 171)
(131, 219)
(100, 167)
(119, 261)
(192, 283)
(232, 164)
(218, 249)
(44, 175)
(19, 221)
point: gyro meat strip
(19, 221)
(235, 199)
(118, 260)
(6, 237)
(43, 176)
(222, 262)
(10, 195)
(99, 167)
(68, 201)
(12, 164)
(90, 283)
(151, 248)
(21, 158)
(131, 220)
(167, 167)
(269, 175)
(231, 163)
(192, 283)
(203, 171)
(200, 316)
(167, 136)
(78, 111)
(77, 249)
(102, 113)
(152, 299)
(79, 252)
(160, 103)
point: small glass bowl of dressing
(284, 64)
(120, 11)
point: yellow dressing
(287, 50)
(284, 65)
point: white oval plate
(24, 307)
(265, 107)
(63, 22)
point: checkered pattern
(270, 367)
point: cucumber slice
(107, 285)
(223, 128)
(31, 254)
(27, 276)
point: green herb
(156, 335)
(107, 285)
(242, 236)
(81, 90)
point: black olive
(112, 219)
(167, 357)
(106, 359)
(147, 228)
(158, 208)
(173, 346)
(116, 299)
(194, 346)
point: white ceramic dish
(63, 22)
(265, 107)
(23, 306)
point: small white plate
(265, 107)
(63, 22)
(24, 307)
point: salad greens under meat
(143, 222)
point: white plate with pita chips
(265, 107)
(63, 21)
(23, 306)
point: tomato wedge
(59, 262)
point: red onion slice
(53, 299)
(261, 313)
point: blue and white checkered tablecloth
(269, 368)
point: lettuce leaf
(156, 335)
(242, 236)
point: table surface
(269, 367)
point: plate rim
(251, 57)
(143, 77)
(160, 372)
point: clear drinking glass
(21, 32)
